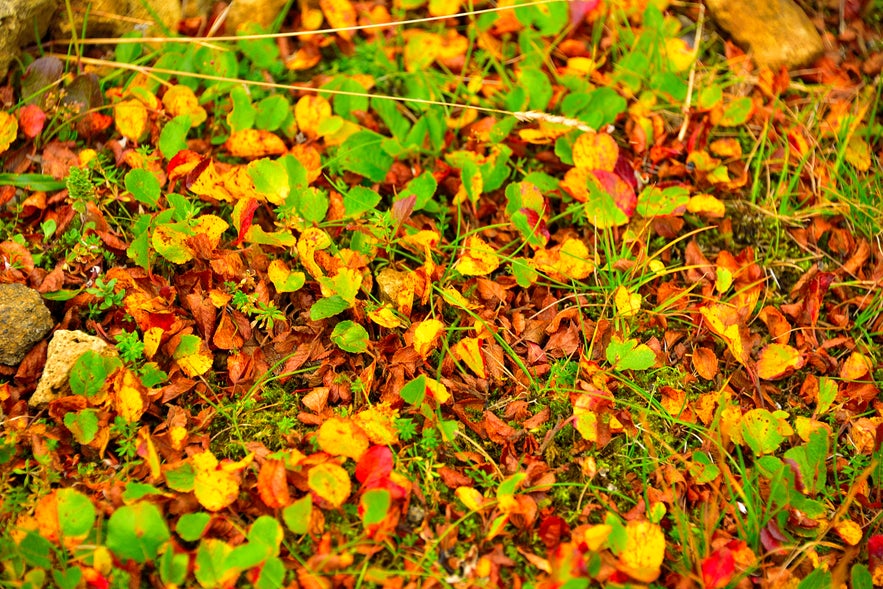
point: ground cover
(555, 295)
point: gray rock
(65, 349)
(24, 320)
(775, 32)
(20, 21)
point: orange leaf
(468, 351)
(330, 482)
(776, 360)
(478, 258)
(644, 551)
(254, 143)
(724, 321)
(855, 367)
(705, 363)
(342, 437)
(273, 484)
(339, 14)
(595, 151)
(180, 100)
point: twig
(692, 80)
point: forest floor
(547, 296)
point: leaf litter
(542, 338)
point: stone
(263, 12)
(20, 21)
(65, 349)
(24, 320)
(774, 32)
(114, 18)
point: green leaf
(36, 550)
(423, 187)
(350, 337)
(271, 112)
(135, 491)
(414, 391)
(90, 371)
(76, 514)
(172, 567)
(861, 577)
(538, 87)
(42, 182)
(181, 478)
(827, 394)
(361, 153)
(211, 568)
(68, 578)
(266, 532)
(760, 430)
(243, 114)
(654, 201)
(173, 137)
(818, 579)
(270, 178)
(128, 52)
(525, 274)
(297, 515)
(82, 424)
(810, 461)
(188, 346)
(313, 204)
(191, 526)
(345, 104)
(736, 113)
(328, 307)
(136, 532)
(360, 200)
(600, 208)
(144, 186)
(272, 574)
(375, 506)
(389, 113)
(629, 355)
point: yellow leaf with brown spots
(478, 258)
(254, 143)
(330, 482)
(339, 436)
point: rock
(263, 12)
(22, 19)
(64, 350)
(24, 320)
(775, 32)
(114, 18)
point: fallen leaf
(478, 258)
(644, 551)
(330, 482)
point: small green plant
(106, 293)
(130, 346)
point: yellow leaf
(148, 451)
(309, 112)
(128, 395)
(587, 425)
(627, 303)
(776, 360)
(212, 227)
(254, 143)
(478, 258)
(724, 280)
(858, 153)
(453, 296)
(595, 151)
(310, 15)
(443, 7)
(283, 279)
(130, 118)
(425, 335)
(342, 437)
(574, 261)
(849, 531)
(215, 488)
(724, 321)
(330, 482)
(340, 14)
(8, 130)
(679, 53)
(385, 317)
(310, 241)
(379, 424)
(595, 536)
(180, 100)
(644, 551)
(468, 351)
(438, 390)
(152, 338)
(470, 497)
(706, 205)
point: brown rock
(24, 320)
(21, 20)
(774, 32)
(64, 350)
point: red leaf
(246, 219)
(718, 568)
(552, 529)
(623, 194)
(375, 466)
(31, 119)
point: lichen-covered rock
(114, 18)
(775, 32)
(64, 350)
(21, 21)
(263, 12)
(24, 320)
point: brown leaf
(498, 430)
